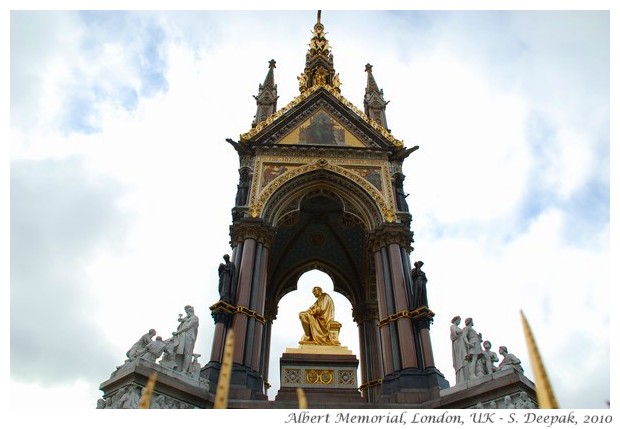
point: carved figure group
(144, 341)
(176, 353)
(472, 358)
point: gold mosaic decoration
(320, 376)
(333, 91)
(260, 197)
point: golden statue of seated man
(317, 319)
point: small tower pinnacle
(374, 103)
(267, 98)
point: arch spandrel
(369, 180)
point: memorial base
(325, 373)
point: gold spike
(301, 398)
(544, 392)
(223, 384)
(147, 393)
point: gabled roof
(321, 97)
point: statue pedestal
(172, 389)
(327, 374)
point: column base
(413, 386)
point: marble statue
(317, 319)
(508, 402)
(473, 349)
(226, 271)
(140, 344)
(185, 339)
(458, 350)
(418, 278)
(194, 371)
(524, 401)
(129, 398)
(509, 361)
(489, 358)
(152, 351)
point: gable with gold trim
(321, 116)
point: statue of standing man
(226, 271)
(185, 338)
(317, 319)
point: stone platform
(327, 374)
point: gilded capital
(389, 233)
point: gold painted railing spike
(147, 394)
(301, 398)
(544, 391)
(223, 384)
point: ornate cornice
(392, 233)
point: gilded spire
(374, 103)
(267, 98)
(319, 61)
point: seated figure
(317, 320)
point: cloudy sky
(121, 181)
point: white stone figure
(158, 402)
(509, 361)
(490, 357)
(508, 402)
(152, 351)
(168, 359)
(185, 339)
(195, 368)
(140, 344)
(524, 401)
(473, 347)
(458, 350)
(129, 399)
(492, 404)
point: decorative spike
(267, 98)
(544, 392)
(374, 103)
(223, 384)
(147, 393)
